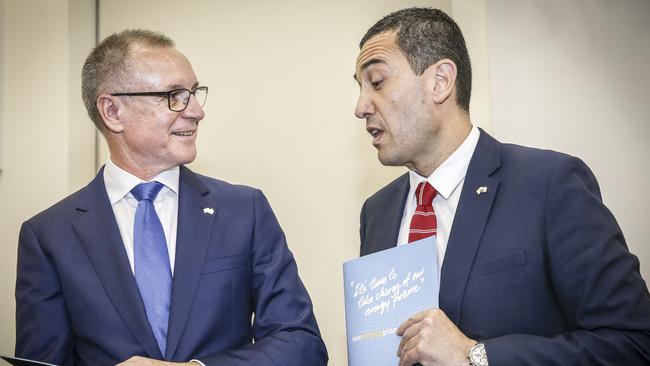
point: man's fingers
(410, 356)
(407, 345)
(141, 361)
(415, 319)
(131, 361)
(409, 333)
(424, 327)
(402, 327)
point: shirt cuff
(199, 362)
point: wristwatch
(477, 355)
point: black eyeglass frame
(167, 94)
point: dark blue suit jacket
(537, 267)
(77, 302)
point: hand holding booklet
(382, 290)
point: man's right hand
(143, 361)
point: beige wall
(2, 78)
(470, 16)
(573, 76)
(43, 129)
(279, 113)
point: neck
(142, 170)
(144, 174)
(450, 136)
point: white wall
(573, 76)
(42, 131)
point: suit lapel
(469, 222)
(384, 232)
(192, 239)
(99, 236)
(395, 211)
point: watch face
(478, 356)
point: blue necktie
(152, 270)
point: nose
(194, 110)
(365, 107)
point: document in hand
(16, 361)
(382, 290)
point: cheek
(154, 138)
(400, 101)
(152, 142)
(390, 106)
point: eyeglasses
(177, 99)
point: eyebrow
(366, 64)
(179, 86)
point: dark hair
(426, 36)
(107, 65)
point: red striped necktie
(423, 223)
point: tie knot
(146, 191)
(425, 193)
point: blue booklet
(382, 290)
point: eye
(377, 84)
(179, 97)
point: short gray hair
(107, 65)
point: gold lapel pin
(481, 189)
(208, 210)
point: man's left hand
(143, 361)
(430, 338)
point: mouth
(184, 133)
(376, 134)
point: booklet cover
(382, 290)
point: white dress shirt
(448, 180)
(118, 186)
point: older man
(151, 261)
(534, 268)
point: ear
(109, 108)
(442, 79)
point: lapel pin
(208, 210)
(481, 189)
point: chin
(388, 160)
(186, 158)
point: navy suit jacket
(77, 302)
(536, 267)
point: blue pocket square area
(226, 263)
(491, 266)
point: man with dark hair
(533, 267)
(152, 262)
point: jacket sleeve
(43, 330)
(596, 281)
(284, 327)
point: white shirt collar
(119, 182)
(452, 171)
